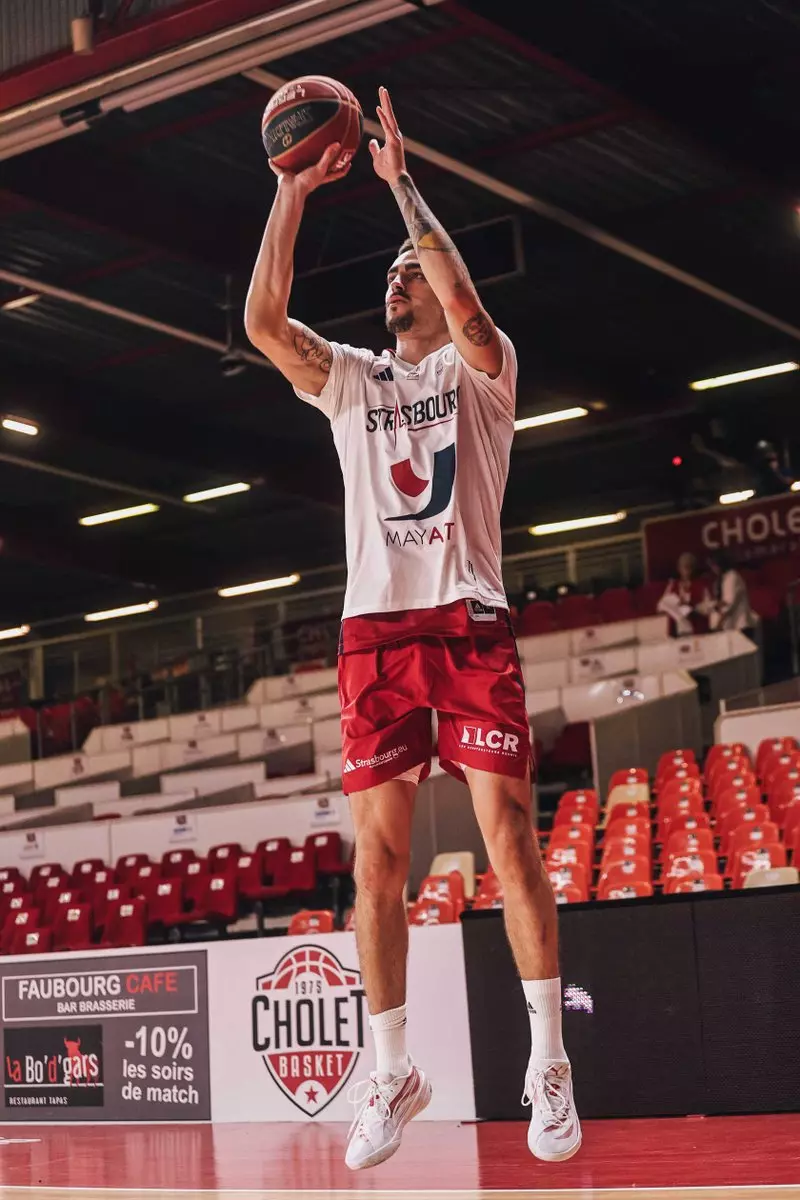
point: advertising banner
(106, 1038)
(291, 1027)
(749, 533)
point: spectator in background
(728, 605)
(770, 479)
(683, 599)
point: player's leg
(503, 809)
(397, 1090)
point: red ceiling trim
(116, 48)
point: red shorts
(388, 693)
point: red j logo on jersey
(441, 484)
(308, 1022)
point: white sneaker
(384, 1106)
(554, 1133)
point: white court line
(583, 1193)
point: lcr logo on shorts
(490, 739)
(308, 1024)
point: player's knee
(380, 869)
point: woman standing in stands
(683, 599)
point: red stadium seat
(143, 878)
(221, 900)
(724, 771)
(578, 612)
(56, 899)
(569, 873)
(778, 767)
(49, 885)
(709, 882)
(489, 885)
(769, 745)
(628, 775)
(431, 912)
(621, 874)
(724, 750)
(568, 835)
(668, 814)
(674, 756)
(72, 927)
(750, 797)
(43, 872)
(444, 887)
(752, 835)
(638, 828)
(16, 922)
(621, 814)
(687, 841)
(580, 798)
(626, 891)
(174, 862)
(129, 864)
(620, 849)
(646, 598)
(275, 855)
(756, 858)
(568, 893)
(694, 862)
(579, 852)
(677, 789)
(223, 858)
(9, 874)
(537, 617)
(194, 888)
(481, 903)
(31, 941)
(165, 904)
(126, 924)
(328, 852)
(311, 922)
(112, 893)
(574, 816)
(84, 871)
(689, 822)
(735, 817)
(616, 604)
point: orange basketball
(305, 116)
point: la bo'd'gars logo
(308, 1024)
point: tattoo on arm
(424, 230)
(478, 330)
(313, 350)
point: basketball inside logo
(309, 1019)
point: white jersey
(424, 453)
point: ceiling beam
(142, 38)
(117, 194)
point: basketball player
(423, 434)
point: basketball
(305, 116)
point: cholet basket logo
(309, 1018)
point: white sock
(544, 1009)
(389, 1031)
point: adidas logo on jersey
(348, 766)
(385, 376)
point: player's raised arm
(472, 330)
(301, 355)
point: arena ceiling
(624, 175)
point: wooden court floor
(723, 1158)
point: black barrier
(678, 1005)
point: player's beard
(400, 323)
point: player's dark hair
(406, 246)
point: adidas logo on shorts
(348, 766)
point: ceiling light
(796, 485)
(21, 301)
(266, 585)
(19, 631)
(130, 610)
(18, 425)
(563, 414)
(580, 523)
(119, 514)
(702, 385)
(737, 497)
(227, 489)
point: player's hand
(321, 173)
(389, 160)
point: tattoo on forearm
(478, 330)
(424, 230)
(313, 350)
